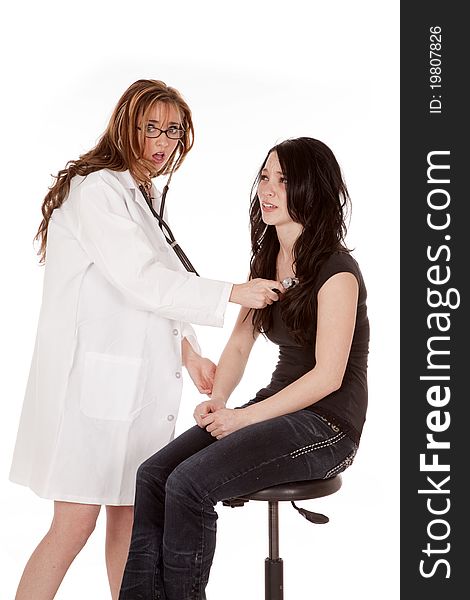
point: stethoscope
(288, 282)
(170, 238)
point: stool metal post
(273, 569)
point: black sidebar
(435, 332)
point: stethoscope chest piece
(289, 282)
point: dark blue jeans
(173, 537)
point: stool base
(273, 579)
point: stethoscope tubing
(170, 238)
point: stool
(298, 490)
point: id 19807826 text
(435, 69)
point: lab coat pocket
(112, 387)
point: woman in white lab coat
(113, 334)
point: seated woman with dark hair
(307, 423)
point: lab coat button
(177, 374)
(170, 417)
(175, 332)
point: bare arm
(234, 357)
(337, 304)
(231, 365)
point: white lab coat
(105, 381)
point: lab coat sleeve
(188, 332)
(121, 250)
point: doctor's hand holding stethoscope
(115, 329)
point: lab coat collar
(127, 181)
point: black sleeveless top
(346, 407)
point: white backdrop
(254, 73)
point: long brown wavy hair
(318, 199)
(121, 145)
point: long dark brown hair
(121, 145)
(318, 199)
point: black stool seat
(297, 490)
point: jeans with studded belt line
(174, 532)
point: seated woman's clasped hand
(218, 420)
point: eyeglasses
(172, 133)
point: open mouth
(267, 206)
(158, 157)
